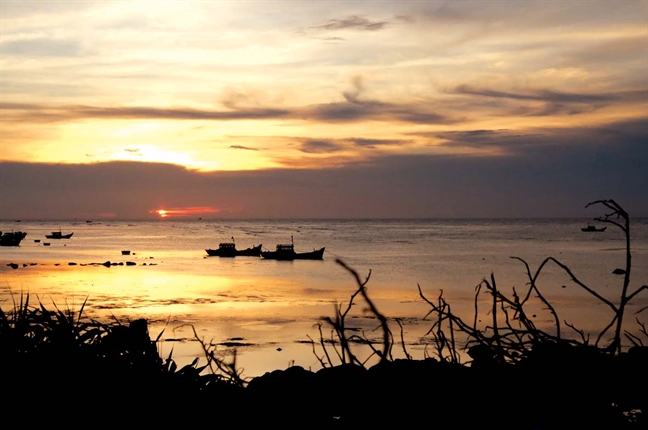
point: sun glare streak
(184, 211)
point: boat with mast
(228, 249)
(287, 252)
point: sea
(270, 315)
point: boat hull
(593, 229)
(291, 255)
(255, 251)
(59, 236)
(12, 238)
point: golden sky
(241, 86)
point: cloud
(544, 102)
(542, 143)
(548, 173)
(356, 107)
(41, 47)
(371, 110)
(21, 9)
(332, 38)
(534, 94)
(243, 147)
(327, 146)
(353, 22)
(545, 15)
(354, 111)
(47, 113)
(371, 143)
(319, 146)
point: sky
(322, 109)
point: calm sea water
(271, 307)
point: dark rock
(285, 396)
(481, 353)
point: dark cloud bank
(547, 174)
(354, 108)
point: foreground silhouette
(58, 365)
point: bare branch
(640, 289)
(409, 357)
(580, 332)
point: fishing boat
(592, 228)
(11, 238)
(228, 249)
(287, 252)
(58, 235)
(316, 254)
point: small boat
(287, 252)
(592, 228)
(11, 238)
(316, 254)
(228, 249)
(125, 252)
(58, 235)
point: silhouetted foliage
(60, 365)
(546, 380)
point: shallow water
(272, 306)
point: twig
(402, 334)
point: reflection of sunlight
(134, 290)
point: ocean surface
(268, 310)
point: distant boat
(287, 252)
(228, 249)
(58, 235)
(592, 228)
(125, 252)
(11, 238)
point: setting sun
(184, 211)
